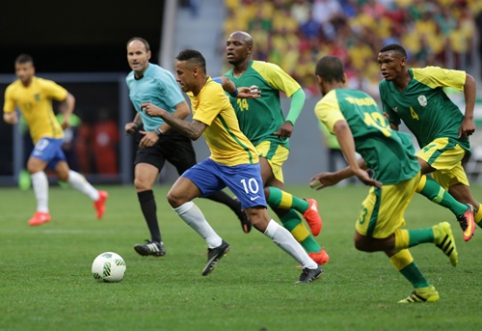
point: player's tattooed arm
(193, 129)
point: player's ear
(345, 79)
(319, 80)
(149, 54)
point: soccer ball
(108, 267)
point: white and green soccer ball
(108, 267)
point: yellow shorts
(446, 157)
(276, 155)
(383, 210)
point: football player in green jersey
(416, 96)
(264, 124)
(359, 125)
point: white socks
(193, 216)
(285, 240)
(40, 185)
(79, 183)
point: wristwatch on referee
(158, 132)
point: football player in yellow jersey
(233, 163)
(33, 97)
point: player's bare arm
(193, 129)
(68, 108)
(181, 112)
(347, 144)
(10, 118)
(285, 130)
(468, 125)
(131, 127)
(151, 138)
(326, 179)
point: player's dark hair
(330, 68)
(396, 48)
(142, 40)
(192, 56)
(24, 58)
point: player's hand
(324, 179)
(65, 124)
(285, 130)
(130, 128)
(365, 177)
(248, 92)
(10, 118)
(152, 110)
(150, 139)
(467, 127)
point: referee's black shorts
(172, 147)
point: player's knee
(63, 176)
(175, 198)
(141, 184)
(34, 166)
(258, 218)
(362, 245)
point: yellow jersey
(35, 104)
(228, 145)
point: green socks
(432, 190)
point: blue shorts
(243, 180)
(50, 151)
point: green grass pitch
(46, 282)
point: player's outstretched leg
(78, 182)
(155, 246)
(41, 189)
(426, 294)
(99, 204)
(467, 223)
(283, 239)
(432, 190)
(151, 248)
(214, 255)
(441, 235)
(217, 247)
(307, 207)
(444, 239)
(292, 222)
(39, 218)
(423, 291)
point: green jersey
(390, 153)
(424, 107)
(260, 118)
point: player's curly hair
(396, 48)
(192, 56)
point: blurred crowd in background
(295, 33)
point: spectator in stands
(424, 27)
